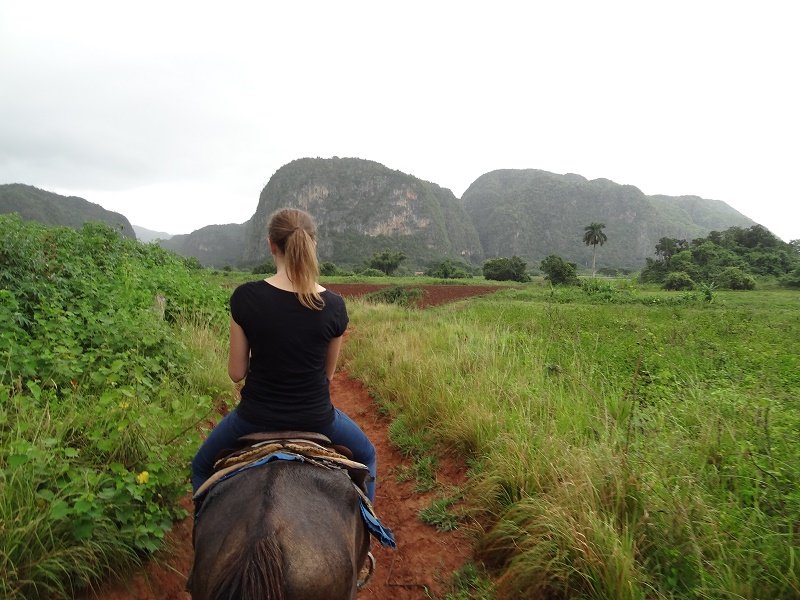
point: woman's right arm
(239, 356)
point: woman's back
(286, 383)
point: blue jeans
(342, 431)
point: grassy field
(623, 443)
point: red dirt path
(425, 559)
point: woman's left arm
(333, 355)
(239, 357)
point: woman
(285, 336)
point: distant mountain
(45, 207)
(532, 213)
(213, 245)
(362, 207)
(148, 235)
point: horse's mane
(256, 574)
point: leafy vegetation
(594, 236)
(506, 269)
(558, 271)
(626, 442)
(386, 261)
(396, 294)
(729, 259)
(448, 269)
(104, 374)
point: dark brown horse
(285, 530)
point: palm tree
(594, 235)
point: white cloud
(176, 114)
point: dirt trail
(423, 563)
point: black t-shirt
(286, 386)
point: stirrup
(366, 571)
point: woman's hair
(294, 232)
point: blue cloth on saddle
(383, 534)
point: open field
(624, 443)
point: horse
(285, 530)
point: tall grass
(627, 444)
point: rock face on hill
(34, 204)
(531, 214)
(362, 207)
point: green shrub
(506, 269)
(370, 272)
(97, 410)
(559, 271)
(396, 295)
(792, 279)
(265, 268)
(447, 269)
(678, 280)
(328, 269)
(734, 278)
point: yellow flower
(143, 477)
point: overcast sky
(176, 114)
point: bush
(678, 280)
(395, 295)
(265, 268)
(370, 272)
(328, 269)
(559, 271)
(506, 269)
(792, 279)
(733, 278)
(98, 409)
(447, 269)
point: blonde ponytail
(295, 234)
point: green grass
(627, 442)
(101, 395)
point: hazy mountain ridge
(50, 208)
(532, 213)
(363, 207)
(145, 235)
(212, 245)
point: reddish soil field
(423, 563)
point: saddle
(261, 448)
(307, 446)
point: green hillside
(213, 245)
(33, 204)
(532, 213)
(363, 207)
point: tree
(506, 269)
(558, 270)
(592, 237)
(386, 261)
(447, 269)
(666, 247)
